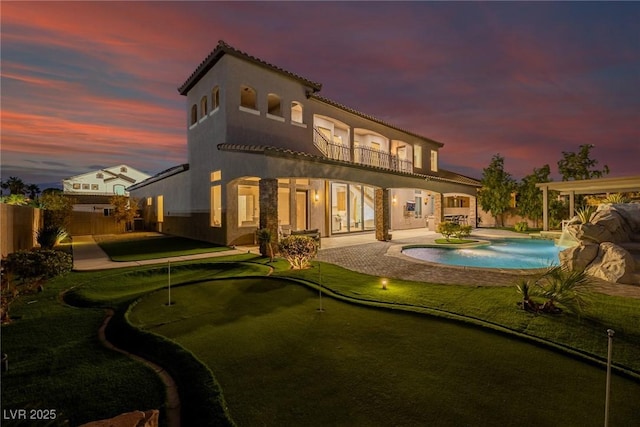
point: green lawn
(57, 362)
(281, 362)
(154, 247)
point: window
(273, 105)
(215, 98)
(149, 201)
(248, 208)
(99, 175)
(94, 187)
(296, 112)
(216, 200)
(203, 106)
(118, 189)
(160, 208)
(76, 186)
(248, 97)
(85, 186)
(283, 206)
(194, 114)
(417, 156)
(216, 206)
(123, 169)
(434, 160)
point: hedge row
(201, 400)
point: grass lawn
(276, 357)
(153, 247)
(281, 362)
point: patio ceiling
(595, 186)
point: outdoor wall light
(316, 197)
(394, 200)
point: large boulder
(580, 256)
(595, 233)
(613, 264)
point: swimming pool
(502, 253)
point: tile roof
(223, 48)
(442, 175)
(174, 170)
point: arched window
(203, 106)
(296, 112)
(99, 175)
(248, 97)
(123, 169)
(273, 105)
(194, 114)
(215, 98)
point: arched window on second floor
(203, 106)
(215, 98)
(248, 97)
(194, 114)
(296, 112)
(274, 106)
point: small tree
(298, 250)
(447, 229)
(529, 196)
(125, 209)
(497, 186)
(580, 165)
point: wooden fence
(18, 227)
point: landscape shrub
(462, 231)
(50, 237)
(521, 226)
(447, 229)
(298, 250)
(38, 263)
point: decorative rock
(612, 263)
(595, 233)
(580, 256)
(130, 419)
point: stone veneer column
(438, 209)
(382, 214)
(473, 209)
(268, 188)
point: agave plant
(568, 288)
(49, 237)
(615, 198)
(586, 214)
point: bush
(447, 228)
(38, 263)
(49, 237)
(521, 226)
(298, 250)
(462, 231)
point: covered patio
(585, 186)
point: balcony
(361, 155)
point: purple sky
(93, 84)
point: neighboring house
(265, 150)
(91, 191)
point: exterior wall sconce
(316, 196)
(394, 200)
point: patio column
(438, 209)
(382, 214)
(545, 208)
(572, 203)
(473, 209)
(268, 188)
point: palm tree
(569, 288)
(33, 191)
(15, 185)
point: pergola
(585, 186)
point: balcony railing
(361, 155)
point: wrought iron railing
(361, 155)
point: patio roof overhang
(585, 186)
(595, 186)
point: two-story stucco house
(266, 150)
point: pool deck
(361, 252)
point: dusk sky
(87, 85)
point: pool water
(503, 253)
